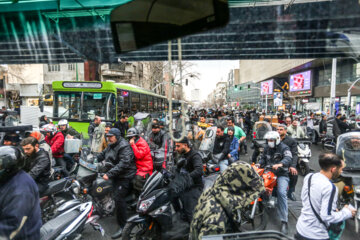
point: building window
(71, 67)
(54, 67)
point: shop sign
(305, 100)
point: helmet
(11, 161)
(273, 135)
(63, 122)
(132, 132)
(48, 128)
(36, 135)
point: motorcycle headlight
(145, 204)
(75, 187)
(357, 190)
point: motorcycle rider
(278, 155)
(233, 154)
(217, 208)
(193, 166)
(288, 121)
(122, 125)
(323, 125)
(38, 163)
(11, 139)
(55, 139)
(43, 145)
(156, 137)
(20, 214)
(239, 133)
(143, 159)
(68, 131)
(295, 131)
(93, 125)
(120, 154)
(104, 143)
(292, 144)
(222, 144)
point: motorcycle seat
(55, 186)
(52, 229)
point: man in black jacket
(343, 126)
(222, 144)
(122, 125)
(120, 154)
(193, 167)
(156, 137)
(323, 125)
(292, 144)
(93, 125)
(20, 214)
(38, 163)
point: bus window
(126, 107)
(150, 103)
(67, 105)
(135, 103)
(143, 103)
(155, 104)
(99, 104)
(160, 101)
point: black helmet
(11, 161)
(132, 132)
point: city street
(110, 226)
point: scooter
(328, 143)
(304, 155)
(70, 223)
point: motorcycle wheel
(258, 223)
(136, 231)
(304, 168)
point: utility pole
(333, 87)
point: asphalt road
(110, 226)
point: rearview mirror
(142, 23)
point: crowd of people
(26, 166)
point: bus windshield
(84, 106)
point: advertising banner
(278, 99)
(300, 81)
(267, 87)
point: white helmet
(273, 135)
(63, 122)
(51, 128)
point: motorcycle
(70, 223)
(348, 146)
(154, 209)
(57, 193)
(304, 155)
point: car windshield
(84, 106)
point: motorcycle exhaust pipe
(253, 209)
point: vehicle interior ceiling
(68, 31)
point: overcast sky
(210, 72)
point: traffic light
(236, 87)
(240, 88)
(248, 86)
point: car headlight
(75, 187)
(145, 204)
(357, 190)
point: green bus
(80, 102)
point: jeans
(293, 182)
(282, 185)
(62, 163)
(223, 165)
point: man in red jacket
(56, 141)
(143, 159)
